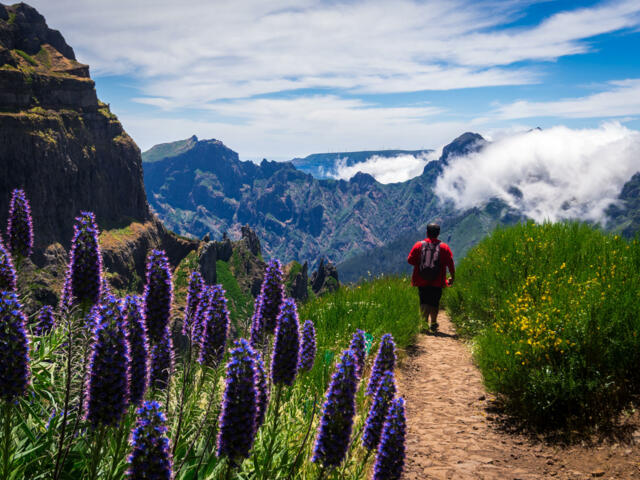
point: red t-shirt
(446, 261)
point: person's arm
(414, 254)
(452, 270)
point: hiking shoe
(434, 327)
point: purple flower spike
(391, 452)
(240, 404)
(339, 408)
(378, 412)
(272, 292)
(45, 321)
(308, 349)
(138, 349)
(150, 457)
(84, 274)
(14, 348)
(258, 332)
(107, 391)
(358, 347)
(201, 316)
(20, 225)
(162, 359)
(286, 347)
(158, 294)
(216, 328)
(263, 389)
(194, 296)
(385, 360)
(7, 271)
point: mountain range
(201, 186)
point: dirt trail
(452, 435)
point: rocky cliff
(69, 152)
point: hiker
(430, 259)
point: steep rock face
(67, 150)
(69, 153)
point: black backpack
(429, 266)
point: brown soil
(454, 431)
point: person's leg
(424, 312)
(433, 317)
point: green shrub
(554, 311)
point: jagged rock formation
(325, 278)
(69, 152)
(297, 280)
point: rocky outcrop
(325, 278)
(57, 141)
(297, 281)
(251, 237)
(70, 154)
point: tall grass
(554, 311)
(193, 400)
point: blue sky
(287, 78)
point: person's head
(433, 230)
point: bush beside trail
(554, 314)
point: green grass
(27, 57)
(554, 313)
(381, 306)
(240, 303)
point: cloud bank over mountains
(551, 174)
(384, 169)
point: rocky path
(453, 435)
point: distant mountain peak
(468, 142)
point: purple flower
(201, 316)
(84, 274)
(194, 296)
(240, 404)
(158, 294)
(45, 321)
(286, 347)
(272, 292)
(262, 387)
(358, 347)
(138, 349)
(7, 271)
(150, 457)
(14, 348)
(162, 361)
(308, 349)
(258, 332)
(216, 328)
(339, 408)
(391, 451)
(20, 225)
(107, 391)
(378, 412)
(385, 360)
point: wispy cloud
(202, 51)
(622, 98)
(549, 174)
(304, 125)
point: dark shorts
(430, 296)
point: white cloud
(384, 169)
(622, 98)
(189, 54)
(297, 127)
(560, 172)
